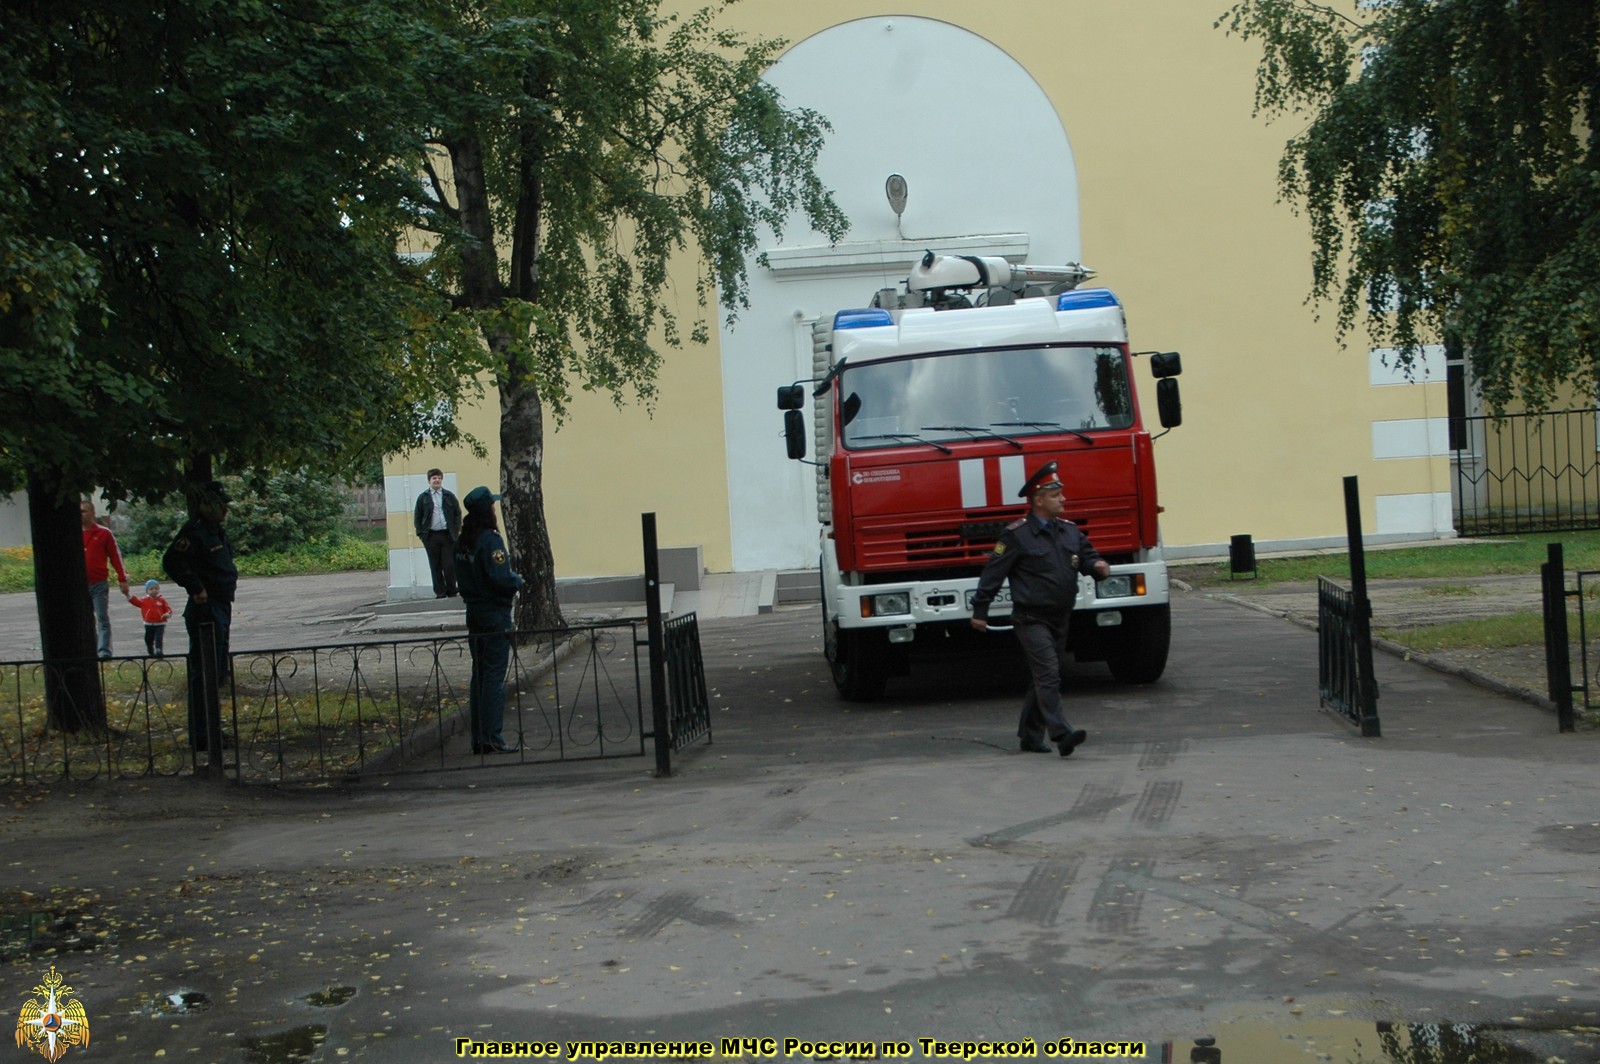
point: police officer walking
(201, 560)
(1042, 555)
(488, 586)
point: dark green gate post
(1366, 701)
(660, 725)
(1557, 652)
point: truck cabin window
(1018, 391)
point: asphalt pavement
(1223, 858)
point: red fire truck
(930, 408)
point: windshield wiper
(1084, 436)
(906, 436)
(971, 428)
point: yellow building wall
(1180, 216)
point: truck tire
(859, 663)
(1140, 656)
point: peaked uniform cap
(480, 498)
(1044, 478)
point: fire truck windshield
(962, 395)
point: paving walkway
(1221, 859)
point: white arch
(990, 170)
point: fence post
(1361, 614)
(1557, 645)
(660, 724)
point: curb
(1405, 653)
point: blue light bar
(862, 319)
(1085, 299)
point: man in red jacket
(100, 555)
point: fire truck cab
(930, 408)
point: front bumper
(911, 603)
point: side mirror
(1169, 408)
(1165, 364)
(791, 397)
(794, 433)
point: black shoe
(494, 748)
(1034, 746)
(1072, 740)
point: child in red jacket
(155, 611)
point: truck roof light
(1084, 299)
(862, 319)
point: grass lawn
(342, 554)
(1466, 558)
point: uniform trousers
(1043, 637)
(209, 626)
(489, 643)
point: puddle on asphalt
(285, 1047)
(331, 998)
(1570, 1039)
(179, 1002)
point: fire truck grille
(929, 545)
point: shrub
(288, 511)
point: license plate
(1001, 598)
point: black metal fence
(1535, 472)
(314, 714)
(689, 709)
(1557, 638)
(1344, 656)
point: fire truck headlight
(886, 605)
(1120, 586)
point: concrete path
(1222, 858)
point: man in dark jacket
(201, 560)
(1042, 555)
(438, 523)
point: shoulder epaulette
(1018, 523)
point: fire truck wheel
(860, 664)
(1140, 656)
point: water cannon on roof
(934, 275)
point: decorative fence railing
(1536, 472)
(1344, 656)
(1344, 631)
(315, 714)
(688, 707)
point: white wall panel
(1428, 512)
(876, 79)
(1411, 438)
(1427, 369)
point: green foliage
(595, 143)
(281, 513)
(198, 260)
(1449, 174)
(596, 140)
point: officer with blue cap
(488, 586)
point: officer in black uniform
(1042, 555)
(201, 560)
(488, 585)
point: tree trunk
(521, 412)
(522, 509)
(73, 699)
